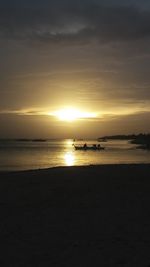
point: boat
(85, 147)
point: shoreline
(72, 167)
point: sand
(76, 216)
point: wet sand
(76, 216)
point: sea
(18, 155)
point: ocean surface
(27, 155)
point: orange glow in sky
(72, 114)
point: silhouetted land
(31, 140)
(76, 216)
(23, 140)
(118, 137)
(141, 139)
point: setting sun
(72, 114)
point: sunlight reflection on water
(15, 155)
(69, 159)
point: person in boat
(85, 145)
(99, 146)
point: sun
(68, 114)
(72, 114)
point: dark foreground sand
(76, 217)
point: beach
(76, 216)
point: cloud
(112, 113)
(73, 23)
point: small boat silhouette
(85, 147)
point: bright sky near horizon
(74, 68)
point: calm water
(16, 155)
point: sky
(89, 55)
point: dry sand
(76, 217)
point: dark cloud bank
(74, 22)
